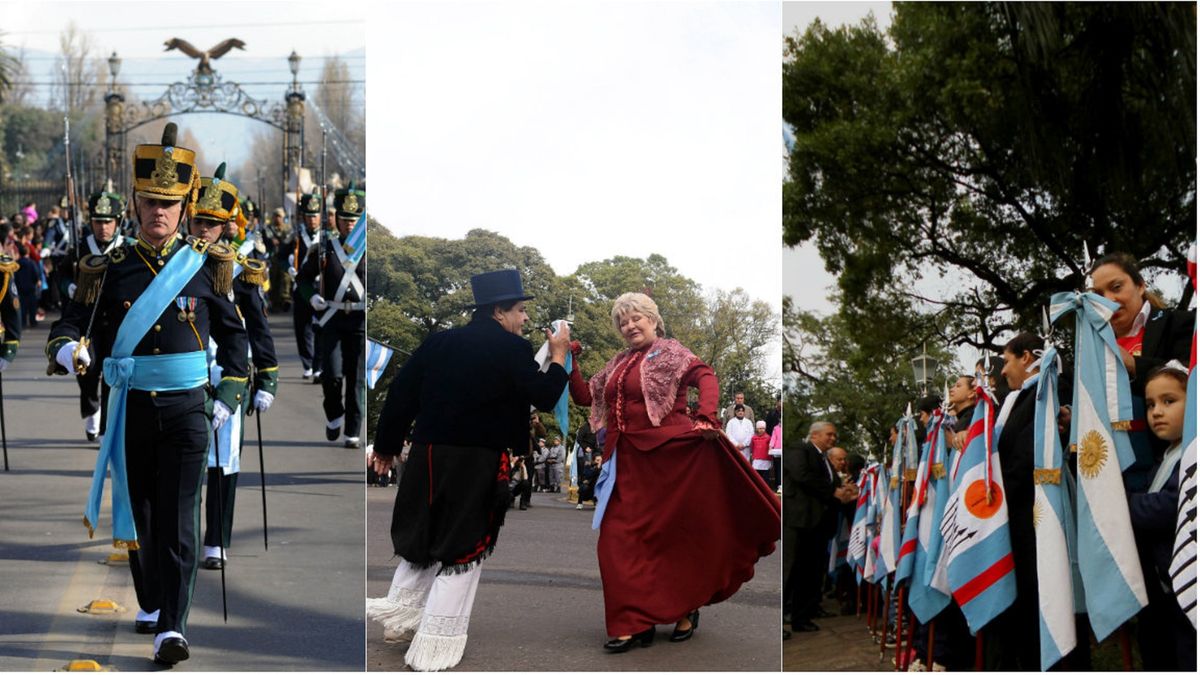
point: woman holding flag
(663, 553)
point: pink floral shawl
(661, 370)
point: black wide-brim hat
(491, 288)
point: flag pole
(929, 657)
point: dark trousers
(302, 323)
(29, 309)
(807, 573)
(523, 490)
(165, 452)
(953, 644)
(1165, 636)
(343, 357)
(219, 522)
(89, 389)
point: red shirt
(760, 446)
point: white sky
(804, 275)
(588, 130)
(137, 31)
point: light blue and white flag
(1114, 589)
(378, 356)
(1053, 522)
(356, 242)
(924, 599)
(889, 526)
(909, 543)
(543, 360)
(861, 529)
(976, 547)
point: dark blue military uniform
(248, 296)
(166, 438)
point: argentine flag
(925, 600)
(889, 527)
(975, 542)
(356, 242)
(909, 542)
(377, 359)
(1053, 522)
(1114, 589)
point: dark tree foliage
(990, 141)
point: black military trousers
(342, 382)
(166, 450)
(302, 323)
(89, 391)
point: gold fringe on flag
(1047, 476)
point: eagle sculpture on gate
(206, 57)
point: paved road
(298, 606)
(539, 605)
(842, 644)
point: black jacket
(1015, 447)
(470, 386)
(1168, 336)
(808, 500)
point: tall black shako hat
(218, 198)
(166, 171)
(349, 202)
(491, 288)
(105, 205)
(311, 204)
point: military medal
(187, 309)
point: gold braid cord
(938, 470)
(253, 271)
(222, 257)
(87, 282)
(1122, 425)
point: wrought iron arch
(204, 91)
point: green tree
(991, 140)
(854, 368)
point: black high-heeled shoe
(642, 639)
(681, 635)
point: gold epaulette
(89, 278)
(8, 266)
(221, 256)
(254, 271)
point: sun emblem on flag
(1039, 512)
(1093, 453)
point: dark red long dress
(688, 517)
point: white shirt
(740, 431)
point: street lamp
(114, 67)
(923, 367)
(294, 66)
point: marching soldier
(105, 211)
(303, 240)
(333, 284)
(218, 213)
(157, 302)
(10, 312)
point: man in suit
(469, 391)
(811, 493)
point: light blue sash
(605, 485)
(122, 372)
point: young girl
(1166, 637)
(760, 451)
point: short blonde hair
(640, 303)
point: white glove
(71, 290)
(293, 273)
(263, 400)
(65, 356)
(4, 364)
(221, 413)
(318, 303)
(45, 253)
